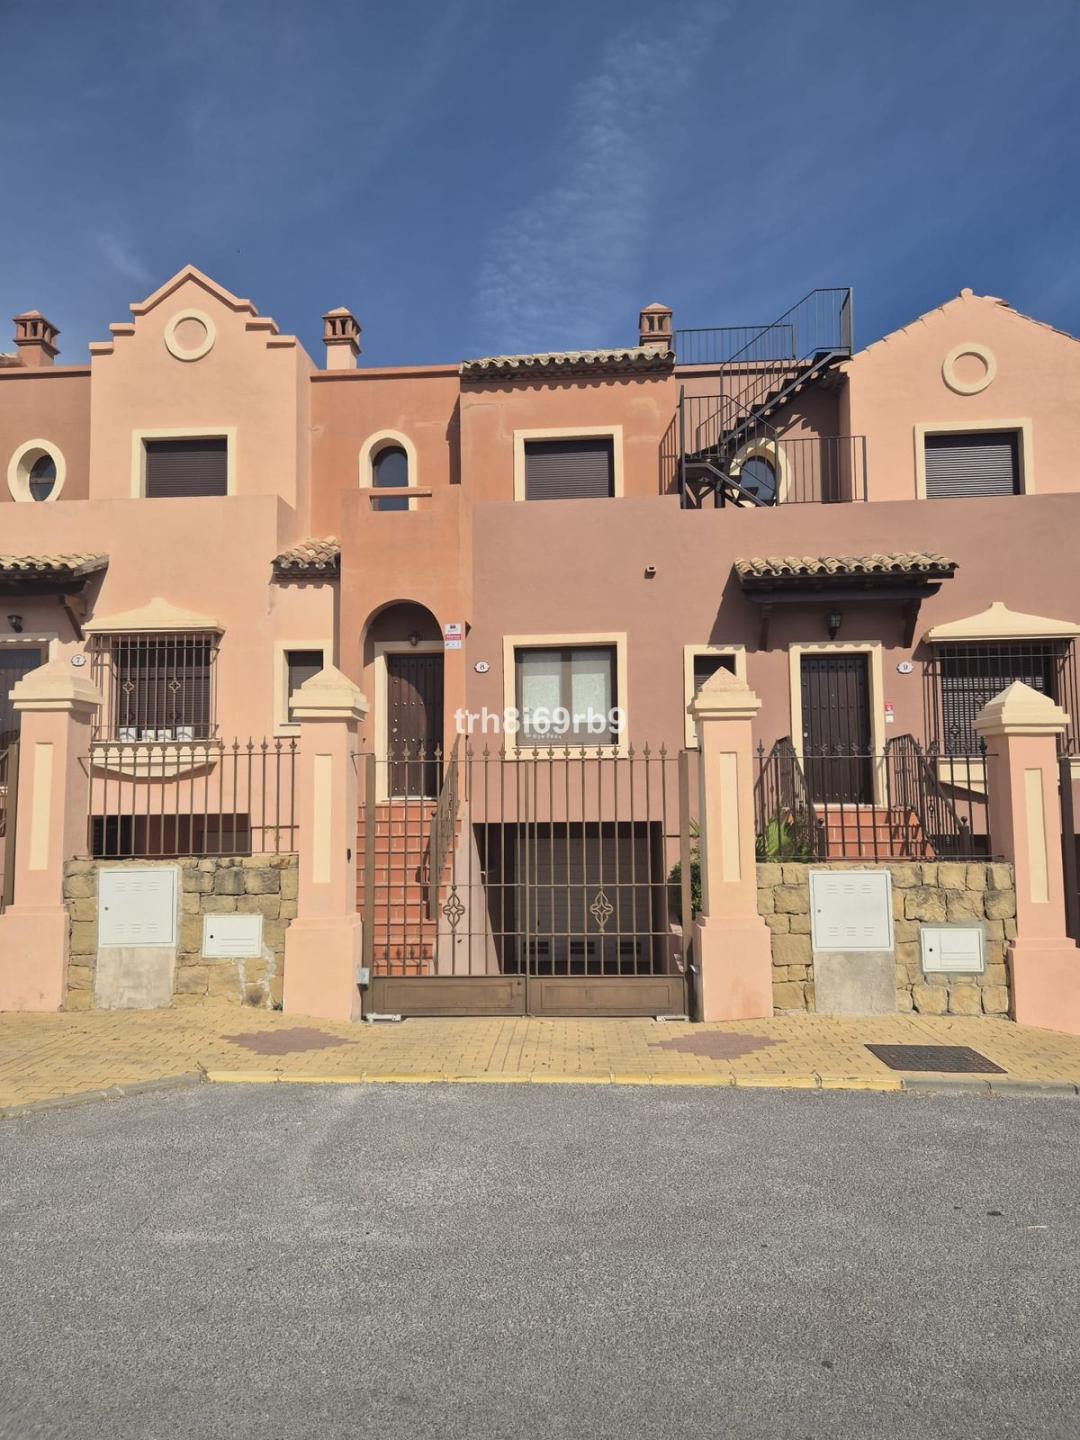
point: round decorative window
(190, 335)
(42, 478)
(969, 368)
(758, 476)
(36, 471)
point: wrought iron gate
(9, 796)
(551, 882)
(1070, 864)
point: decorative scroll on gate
(547, 882)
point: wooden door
(836, 728)
(414, 721)
(15, 662)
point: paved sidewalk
(47, 1058)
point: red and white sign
(452, 634)
(890, 713)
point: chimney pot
(341, 336)
(35, 339)
(654, 327)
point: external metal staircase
(759, 371)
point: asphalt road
(519, 1261)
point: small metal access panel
(232, 937)
(137, 906)
(851, 910)
(946, 1059)
(952, 949)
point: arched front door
(414, 719)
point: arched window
(42, 477)
(390, 470)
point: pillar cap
(329, 695)
(55, 686)
(1020, 710)
(724, 697)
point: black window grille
(158, 687)
(962, 677)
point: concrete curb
(873, 1084)
(112, 1092)
(883, 1084)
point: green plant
(786, 837)
(675, 879)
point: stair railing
(914, 789)
(443, 828)
(787, 825)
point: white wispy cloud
(120, 255)
(557, 272)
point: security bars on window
(156, 687)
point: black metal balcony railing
(821, 322)
(713, 446)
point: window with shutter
(178, 469)
(700, 664)
(569, 469)
(706, 666)
(300, 665)
(972, 463)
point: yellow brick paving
(45, 1058)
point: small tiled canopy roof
(634, 359)
(797, 569)
(36, 568)
(311, 559)
(908, 577)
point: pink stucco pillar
(323, 944)
(1021, 729)
(57, 705)
(733, 945)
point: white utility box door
(137, 906)
(952, 949)
(851, 909)
(232, 937)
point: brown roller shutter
(179, 468)
(569, 469)
(972, 463)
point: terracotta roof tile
(635, 358)
(320, 558)
(48, 567)
(778, 567)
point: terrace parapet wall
(937, 893)
(265, 885)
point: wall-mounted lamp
(15, 621)
(414, 638)
(833, 621)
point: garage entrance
(541, 883)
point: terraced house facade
(440, 629)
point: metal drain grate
(950, 1059)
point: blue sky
(472, 177)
